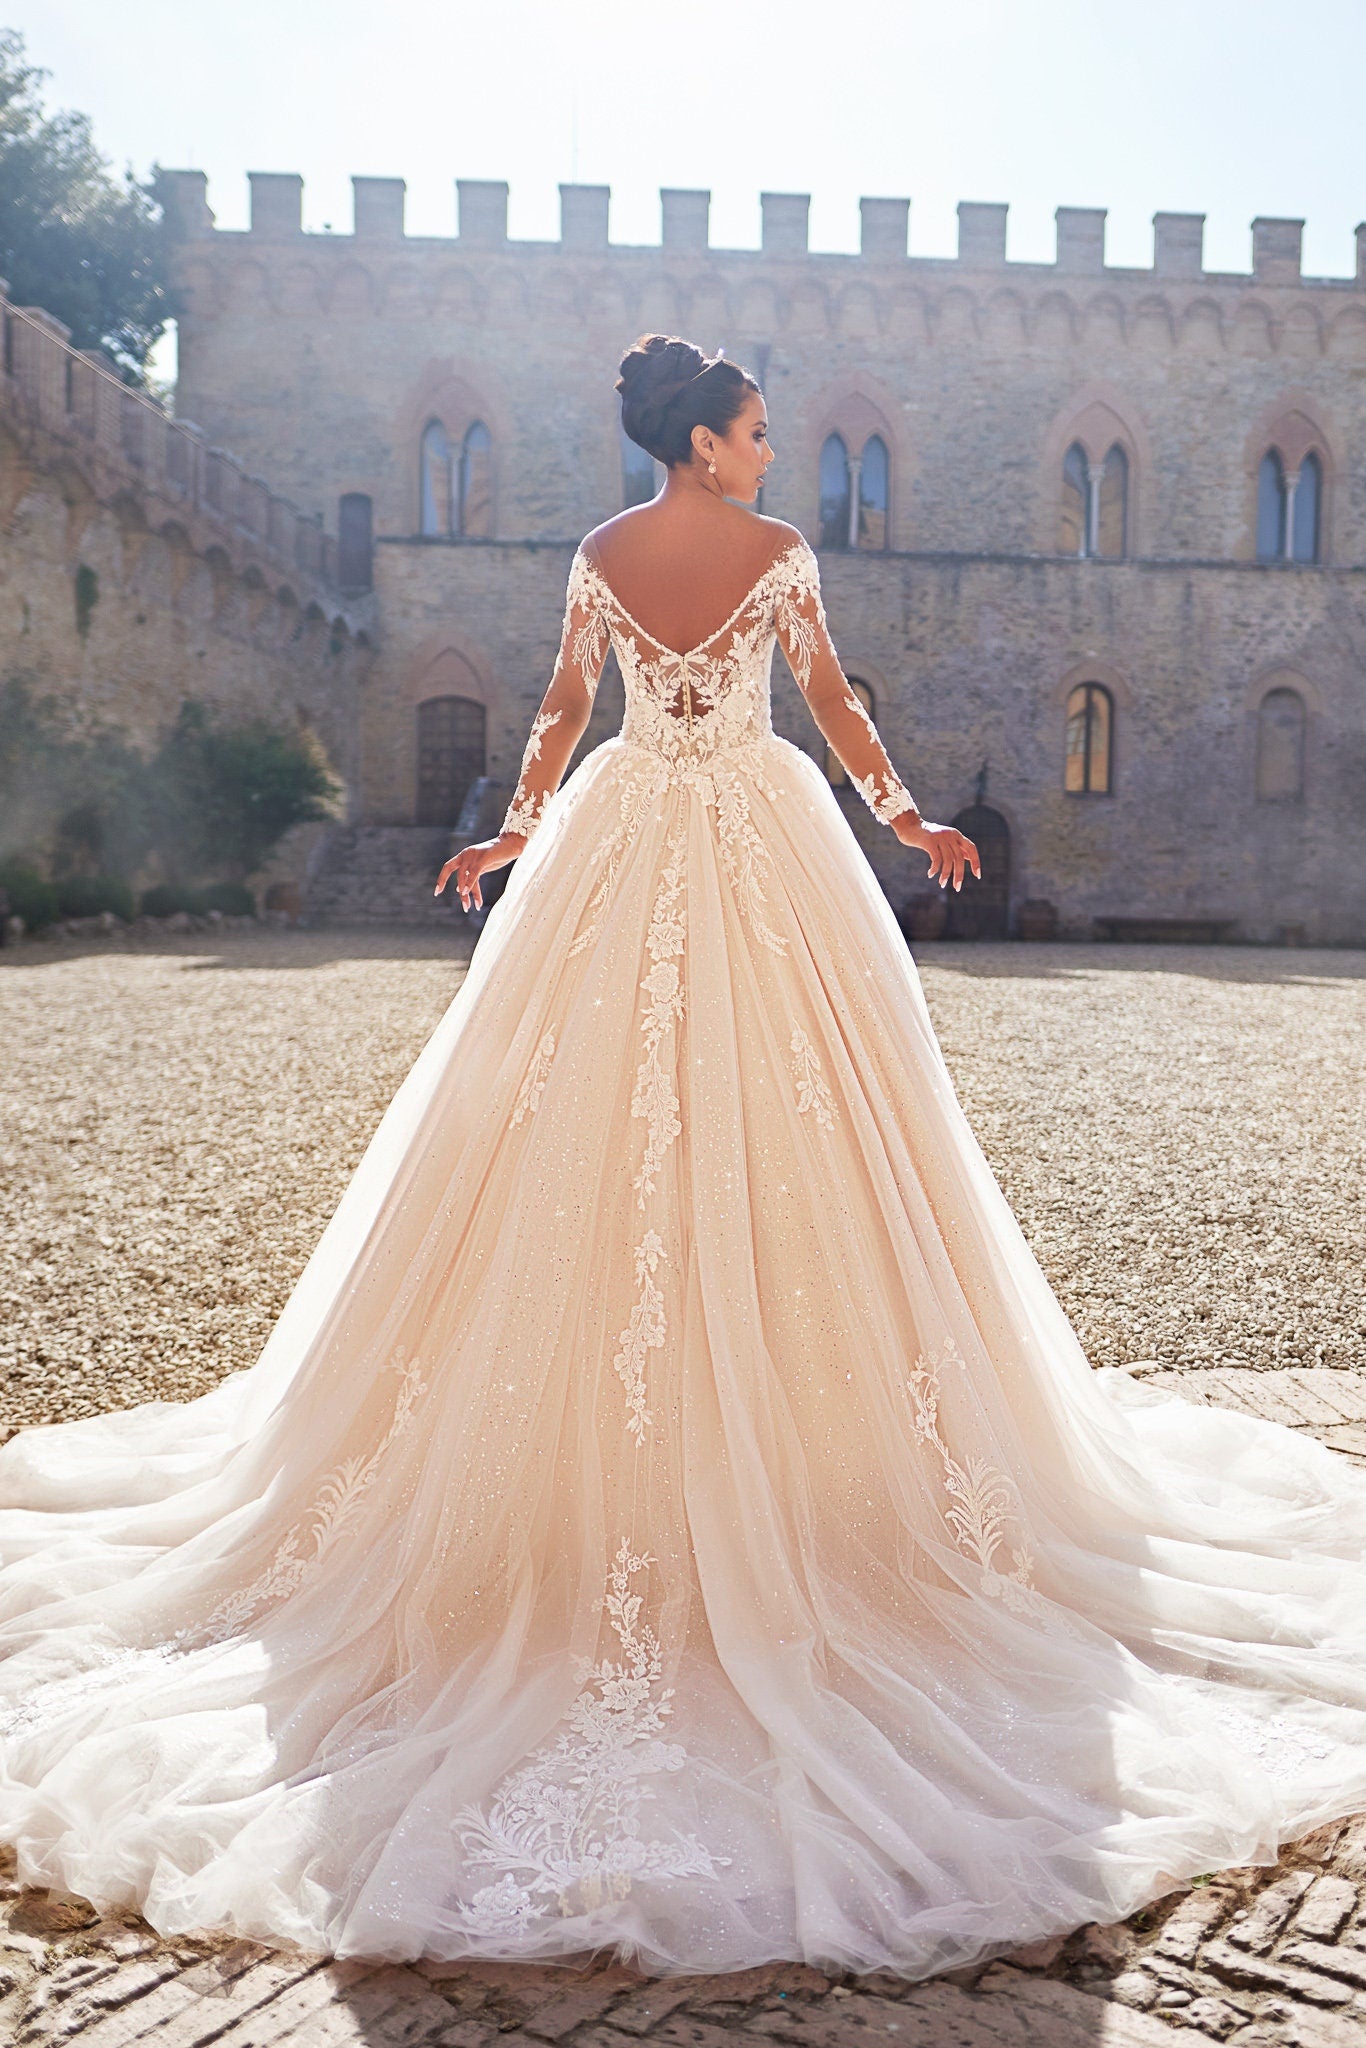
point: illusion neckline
(686, 653)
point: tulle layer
(672, 1510)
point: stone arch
(1103, 321)
(404, 293)
(955, 316)
(1300, 332)
(1004, 317)
(1346, 336)
(1201, 326)
(443, 665)
(1152, 328)
(856, 313)
(1250, 332)
(1098, 417)
(1054, 321)
(352, 291)
(301, 288)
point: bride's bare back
(682, 570)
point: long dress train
(672, 1511)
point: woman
(672, 1511)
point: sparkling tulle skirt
(672, 1511)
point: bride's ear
(702, 443)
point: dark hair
(668, 387)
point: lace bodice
(711, 702)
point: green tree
(74, 239)
(222, 798)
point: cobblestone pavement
(1183, 1135)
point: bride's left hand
(950, 852)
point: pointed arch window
(434, 480)
(855, 494)
(475, 503)
(834, 484)
(639, 483)
(834, 767)
(1280, 746)
(1094, 515)
(873, 482)
(1076, 495)
(1112, 506)
(1306, 518)
(1089, 765)
(1270, 507)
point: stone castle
(1092, 539)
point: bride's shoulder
(784, 538)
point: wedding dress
(672, 1511)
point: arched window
(1076, 499)
(450, 756)
(355, 547)
(834, 509)
(638, 484)
(1112, 508)
(1270, 508)
(834, 767)
(1280, 746)
(1094, 518)
(1308, 510)
(434, 479)
(873, 479)
(475, 509)
(1090, 741)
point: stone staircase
(383, 874)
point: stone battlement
(1178, 238)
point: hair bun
(656, 370)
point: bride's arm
(843, 721)
(556, 730)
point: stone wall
(325, 355)
(140, 566)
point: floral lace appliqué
(812, 1089)
(564, 1829)
(654, 1096)
(980, 1497)
(644, 1332)
(534, 1080)
(331, 1511)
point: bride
(672, 1512)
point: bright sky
(1229, 108)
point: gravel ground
(1182, 1132)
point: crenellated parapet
(63, 406)
(781, 289)
(482, 224)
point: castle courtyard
(1182, 1134)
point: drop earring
(711, 467)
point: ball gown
(672, 1512)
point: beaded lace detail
(564, 1830)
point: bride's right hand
(478, 859)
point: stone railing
(73, 396)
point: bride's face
(742, 453)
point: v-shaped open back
(700, 646)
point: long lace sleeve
(840, 717)
(567, 703)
